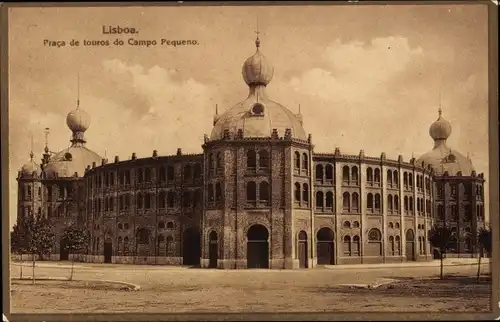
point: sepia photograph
(249, 159)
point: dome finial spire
(440, 111)
(78, 91)
(31, 152)
(257, 32)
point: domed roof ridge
(31, 167)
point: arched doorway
(325, 246)
(63, 251)
(191, 247)
(213, 250)
(257, 247)
(302, 249)
(410, 245)
(108, 250)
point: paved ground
(175, 289)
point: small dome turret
(31, 167)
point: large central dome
(257, 115)
(442, 158)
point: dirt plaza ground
(177, 289)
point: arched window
(406, 203)
(210, 161)
(170, 225)
(171, 199)
(139, 200)
(329, 172)
(346, 201)
(187, 172)
(305, 161)
(319, 199)
(391, 225)
(251, 191)
(389, 177)
(319, 172)
(355, 201)
(197, 171)
(391, 245)
(297, 192)
(218, 160)
(345, 174)
(377, 175)
(374, 247)
(354, 175)
(329, 199)
(396, 225)
(355, 224)
(395, 178)
(147, 174)
(161, 199)
(106, 204)
(211, 196)
(142, 236)
(197, 197)
(139, 175)
(147, 201)
(369, 202)
(186, 199)
(347, 224)
(347, 245)
(162, 174)
(120, 226)
(297, 160)
(218, 192)
(405, 179)
(355, 246)
(170, 173)
(411, 204)
(264, 191)
(251, 159)
(263, 159)
(377, 202)
(305, 192)
(369, 174)
(396, 203)
(389, 203)
(410, 180)
(161, 224)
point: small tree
(40, 238)
(485, 243)
(75, 241)
(439, 237)
(18, 241)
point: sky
(368, 77)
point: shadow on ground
(451, 286)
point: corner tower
(458, 191)
(255, 157)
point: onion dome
(257, 116)
(257, 70)
(440, 129)
(442, 158)
(31, 168)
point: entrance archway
(257, 247)
(302, 249)
(108, 251)
(63, 251)
(325, 246)
(191, 247)
(213, 250)
(410, 245)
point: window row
(28, 193)
(347, 224)
(145, 201)
(259, 191)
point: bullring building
(257, 196)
